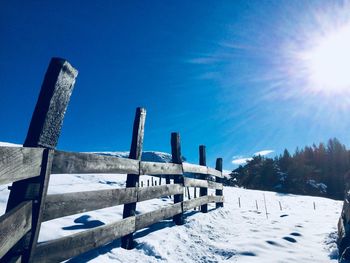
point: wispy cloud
(203, 60)
(263, 152)
(240, 160)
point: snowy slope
(298, 233)
(147, 156)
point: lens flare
(327, 64)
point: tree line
(321, 170)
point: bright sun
(327, 64)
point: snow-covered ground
(245, 233)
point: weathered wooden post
(178, 179)
(218, 192)
(133, 179)
(44, 131)
(203, 191)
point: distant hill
(148, 156)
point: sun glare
(327, 64)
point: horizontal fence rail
(28, 160)
(67, 247)
(28, 168)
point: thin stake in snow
(265, 207)
(239, 202)
(314, 205)
(256, 204)
(280, 205)
(141, 183)
(188, 193)
(148, 182)
(160, 180)
(152, 181)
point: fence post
(133, 179)
(44, 130)
(218, 192)
(178, 179)
(203, 191)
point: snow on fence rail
(29, 168)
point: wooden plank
(132, 180)
(15, 259)
(178, 179)
(14, 225)
(18, 163)
(203, 191)
(66, 247)
(216, 199)
(190, 204)
(45, 126)
(155, 216)
(194, 168)
(77, 163)
(218, 191)
(44, 131)
(191, 182)
(155, 168)
(147, 193)
(214, 172)
(59, 205)
(215, 185)
(39, 201)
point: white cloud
(263, 152)
(240, 161)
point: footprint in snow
(247, 253)
(296, 234)
(283, 215)
(290, 239)
(273, 243)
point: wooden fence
(29, 168)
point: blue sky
(219, 72)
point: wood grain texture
(148, 193)
(194, 168)
(214, 172)
(46, 123)
(190, 204)
(219, 191)
(176, 157)
(155, 168)
(155, 216)
(215, 185)
(77, 163)
(66, 247)
(18, 163)
(14, 225)
(191, 182)
(132, 180)
(60, 205)
(203, 191)
(216, 199)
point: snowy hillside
(235, 233)
(147, 156)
